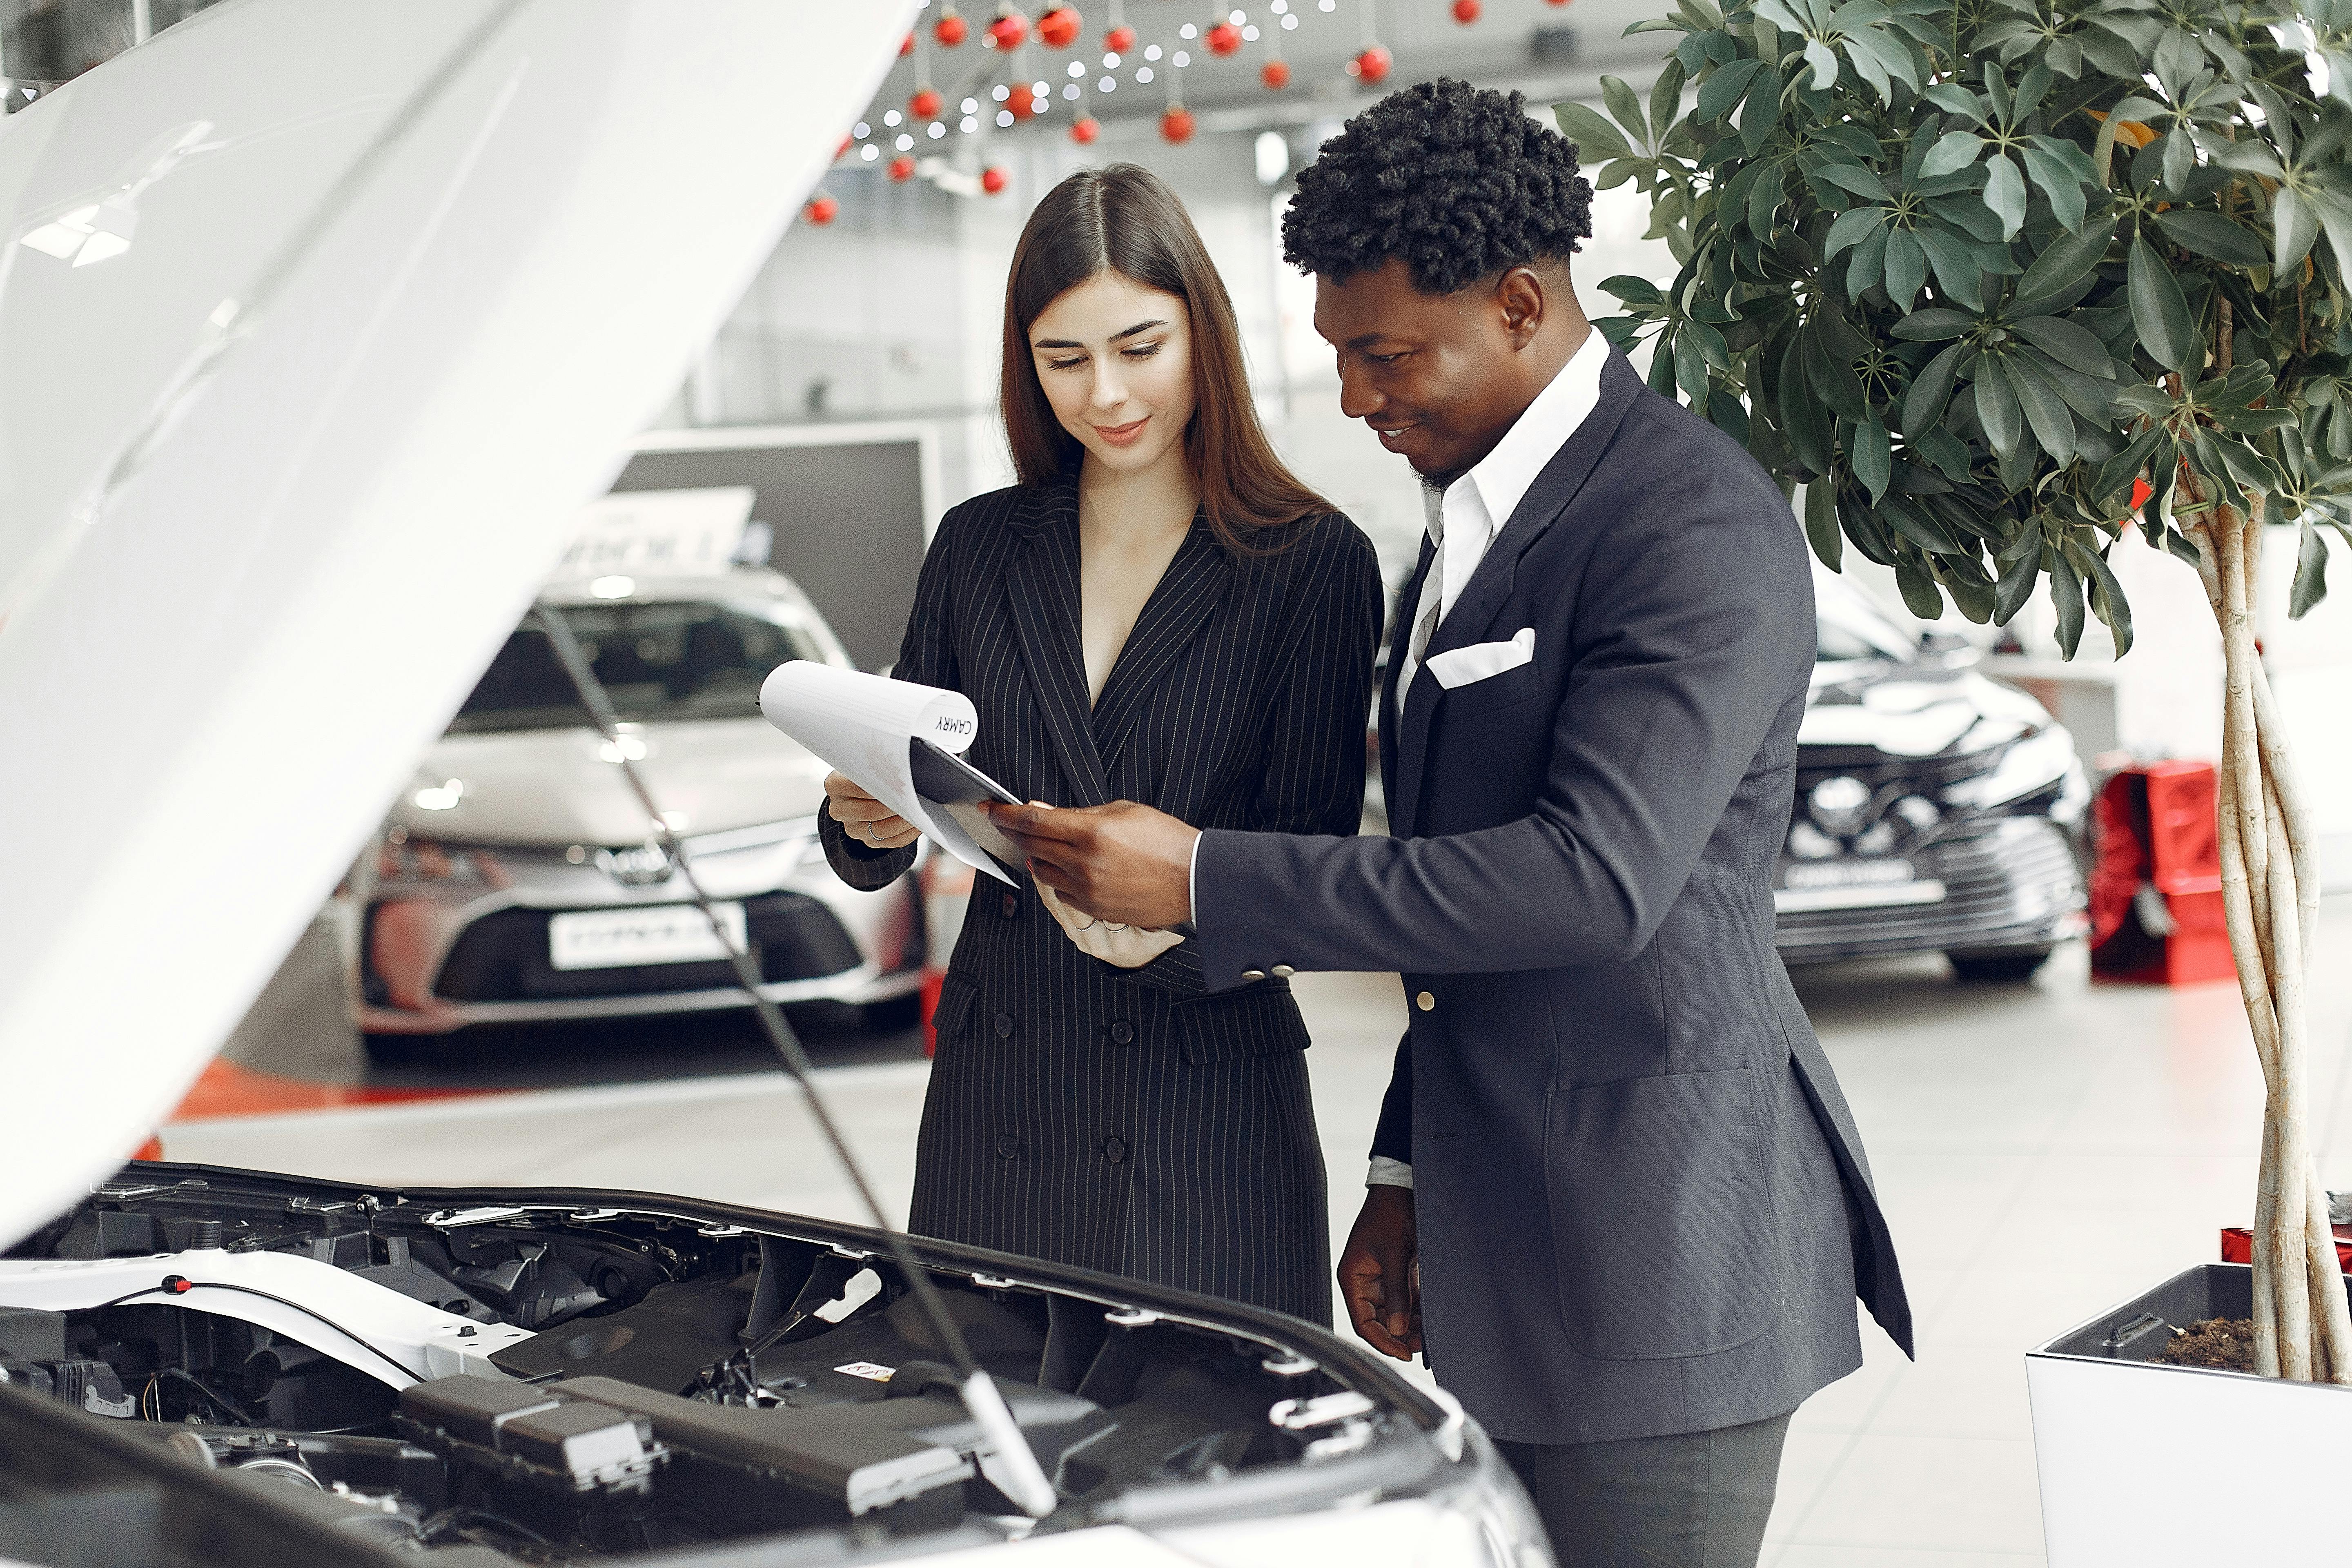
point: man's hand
(1379, 1273)
(1120, 862)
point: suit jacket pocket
(1258, 1023)
(956, 996)
(1513, 686)
(1661, 1219)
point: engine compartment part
(573, 1377)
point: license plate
(1853, 885)
(650, 933)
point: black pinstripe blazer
(1127, 1120)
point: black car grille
(2011, 881)
(503, 957)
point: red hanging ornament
(906, 46)
(1011, 25)
(927, 103)
(1059, 28)
(902, 167)
(1024, 103)
(994, 178)
(1466, 11)
(1225, 38)
(1176, 125)
(822, 209)
(1085, 129)
(950, 30)
(1555, 1)
(1275, 73)
(1120, 37)
(1371, 65)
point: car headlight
(403, 863)
(2029, 766)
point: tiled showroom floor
(2043, 1152)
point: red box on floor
(2237, 1245)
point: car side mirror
(1949, 649)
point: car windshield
(684, 659)
(1853, 628)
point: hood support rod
(1025, 1480)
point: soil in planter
(2226, 1344)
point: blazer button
(1114, 1149)
(1007, 1145)
(1425, 1002)
(1122, 1033)
(1004, 1023)
(1252, 974)
(1283, 972)
(1012, 906)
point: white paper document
(902, 742)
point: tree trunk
(2270, 891)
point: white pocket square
(1481, 660)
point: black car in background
(1936, 810)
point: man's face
(1437, 377)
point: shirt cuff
(1388, 1173)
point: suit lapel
(1399, 639)
(1041, 582)
(1188, 591)
(1489, 588)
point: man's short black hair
(1455, 180)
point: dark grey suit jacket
(1643, 1206)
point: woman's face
(1115, 361)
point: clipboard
(955, 788)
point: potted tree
(1995, 281)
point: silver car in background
(515, 881)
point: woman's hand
(867, 821)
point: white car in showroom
(338, 316)
(515, 879)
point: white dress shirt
(1462, 521)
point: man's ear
(1519, 294)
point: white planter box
(2144, 1465)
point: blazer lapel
(1042, 581)
(1489, 588)
(1392, 788)
(1188, 591)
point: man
(1614, 1155)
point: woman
(1158, 612)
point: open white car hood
(320, 324)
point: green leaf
(1690, 368)
(2310, 572)
(2068, 257)
(1907, 267)
(2005, 193)
(1824, 63)
(2294, 225)
(2065, 342)
(1997, 408)
(1625, 108)
(2179, 157)
(1855, 178)
(1954, 150)
(2058, 182)
(2160, 310)
(1850, 227)
(1930, 390)
(1634, 290)
(1821, 524)
(1947, 451)
(1956, 268)
(1932, 325)
(1595, 138)
(1831, 372)
(2016, 580)
(2212, 234)
(2066, 598)
(1802, 419)
(1718, 92)
(1869, 262)
(1954, 99)
(1873, 460)
(1665, 101)
(2052, 421)
(2107, 599)
(1920, 594)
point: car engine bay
(529, 1376)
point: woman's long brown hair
(1124, 219)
